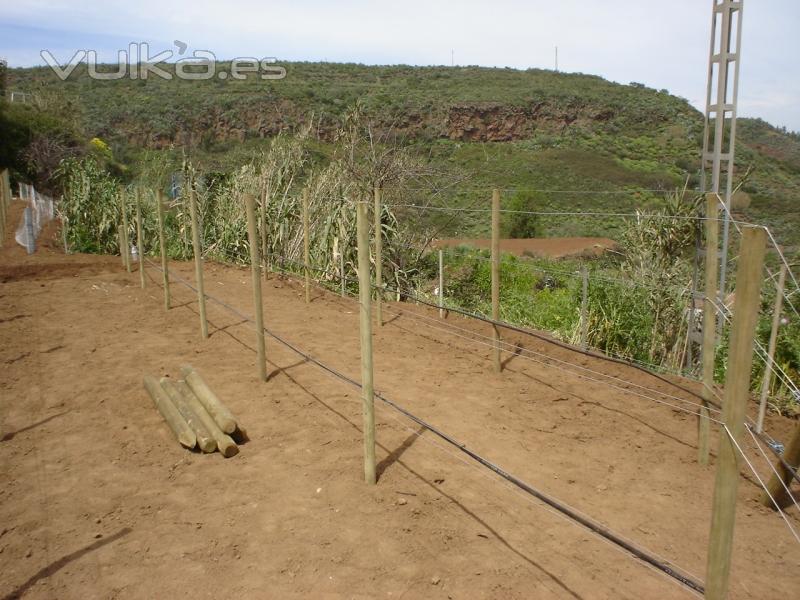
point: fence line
(773, 366)
(333, 276)
(774, 470)
(763, 485)
(776, 247)
(516, 350)
(573, 514)
(561, 213)
(590, 524)
(771, 444)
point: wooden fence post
(162, 244)
(306, 259)
(584, 306)
(342, 279)
(734, 408)
(378, 257)
(263, 207)
(255, 267)
(65, 233)
(125, 251)
(773, 340)
(140, 236)
(121, 242)
(496, 277)
(198, 261)
(777, 482)
(441, 283)
(3, 204)
(709, 324)
(365, 296)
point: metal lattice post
(719, 133)
(719, 141)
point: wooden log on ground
(219, 412)
(179, 426)
(226, 446)
(205, 441)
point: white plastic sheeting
(37, 214)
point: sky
(660, 44)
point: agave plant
(648, 322)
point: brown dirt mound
(545, 247)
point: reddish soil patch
(545, 247)
(97, 499)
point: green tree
(518, 222)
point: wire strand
(758, 477)
(568, 511)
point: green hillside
(555, 141)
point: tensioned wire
(772, 448)
(765, 437)
(515, 349)
(761, 482)
(791, 529)
(642, 216)
(576, 274)
(571, 372)
(774, 470)
(784, 377)
(786, 296)
(577, 517)
(518, 351)
(776, 369)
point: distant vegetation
(522, 130)
(552, 142)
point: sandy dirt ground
(546, 247)
(97, 499)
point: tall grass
(91, 204)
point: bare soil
(545, 247)
(98, 500)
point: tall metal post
(719, 137)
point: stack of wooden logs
(194, 413)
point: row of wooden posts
(737, 385)
(5, 201)
(749, 278)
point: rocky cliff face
(503, 123)
(485, 122)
